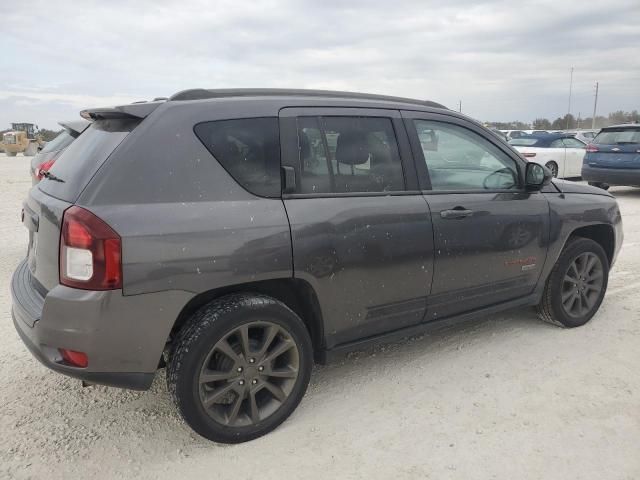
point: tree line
(571, 122)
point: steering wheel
(501, 172)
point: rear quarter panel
(184, 221)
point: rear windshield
(81, 160)
(63, 140)
(618, 136)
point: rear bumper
(50, 358)
(122, 336)
(611, 176)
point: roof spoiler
(133, 110)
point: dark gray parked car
(239, 235)
(47, 155)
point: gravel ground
(504, 397)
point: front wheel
(240, 367)
(577, 284)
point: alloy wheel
(582, 284)
(249, 374)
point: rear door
(574, 154)
(490, 235)
(557, 153)
(361, 230)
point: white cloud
(503, 59)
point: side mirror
(537, 176)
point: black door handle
(456, 213)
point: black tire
(553, 167)
(551, 308)
(601, 185)
(195, 348)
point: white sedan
(560, 153)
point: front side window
(459, 159)
(249, 149)
(348, 155)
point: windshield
(63, 140)
(81, 160)
(618, 136)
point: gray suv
(237, 236)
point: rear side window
(82, 159)
(524, 142)
(248, 149)
(618, 136)
(348, 155)
(62, 140)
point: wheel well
(602, 234)
(297, 294)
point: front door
(490, 235)
(361, 230)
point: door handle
(456, 213)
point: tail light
(90, 252)
(44, 167)
(529, 154)
(73, 358)
(591, 148)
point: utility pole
(595, 105)
(570, 88)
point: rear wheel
(601, 185)
(240, 367)
(553, 166)
(577, 284)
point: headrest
(352, 148)
(305, 146)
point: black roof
(202, 93)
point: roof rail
(203, 93)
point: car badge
(615, 149)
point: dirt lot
(505, 397)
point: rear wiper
(50, 176)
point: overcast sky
(505, 60)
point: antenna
(570, 88)
(595, 105)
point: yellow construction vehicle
(22, 138)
